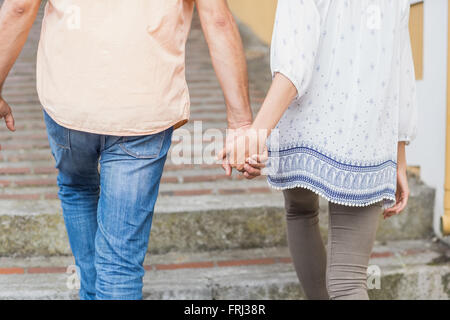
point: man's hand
(6, 113)
(222, 156)
(240, 146)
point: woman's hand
(402, 194)
(254, 165)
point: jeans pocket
(57, 133)
(143, 147)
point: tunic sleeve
(408, 110)
(295, 41)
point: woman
(342, 102)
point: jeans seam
(66, 133)
(153, 156)
(61, 146)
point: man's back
(113, 66)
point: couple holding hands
(335, 122)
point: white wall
(428, 150)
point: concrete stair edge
(421, 280)
(198, 223)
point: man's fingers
(222, 154)
(226, 166)
(5, 112)
(249, 176)
(252, 171)
(9, 120)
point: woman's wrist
(401, 157)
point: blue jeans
(108, 214)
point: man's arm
(16, 19)
(228, 58)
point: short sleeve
(408, 109)
(295, 41)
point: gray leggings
(340, 273)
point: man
(111, 80)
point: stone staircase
(414, 269)
(213, 237)
(197, 223)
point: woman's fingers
(402, 195)
(398, 208)
(403, 203)
(252, 171)
(257, 161)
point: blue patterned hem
(340, 183)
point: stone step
(405, 269)
(192, 221)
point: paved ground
(398, 270)
(26, 165)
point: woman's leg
(350, 241)
(305, 243)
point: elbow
(223, 21)
(20, 8)
(220, 22)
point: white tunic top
(351, 63)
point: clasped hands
(245, 150)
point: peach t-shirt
(115, 67)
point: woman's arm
(241, 147)
(280, 95)
(408, 115)
(294, 47)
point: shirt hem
(176, 124)
(388, 200)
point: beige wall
(416, 32)
(257, 14)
